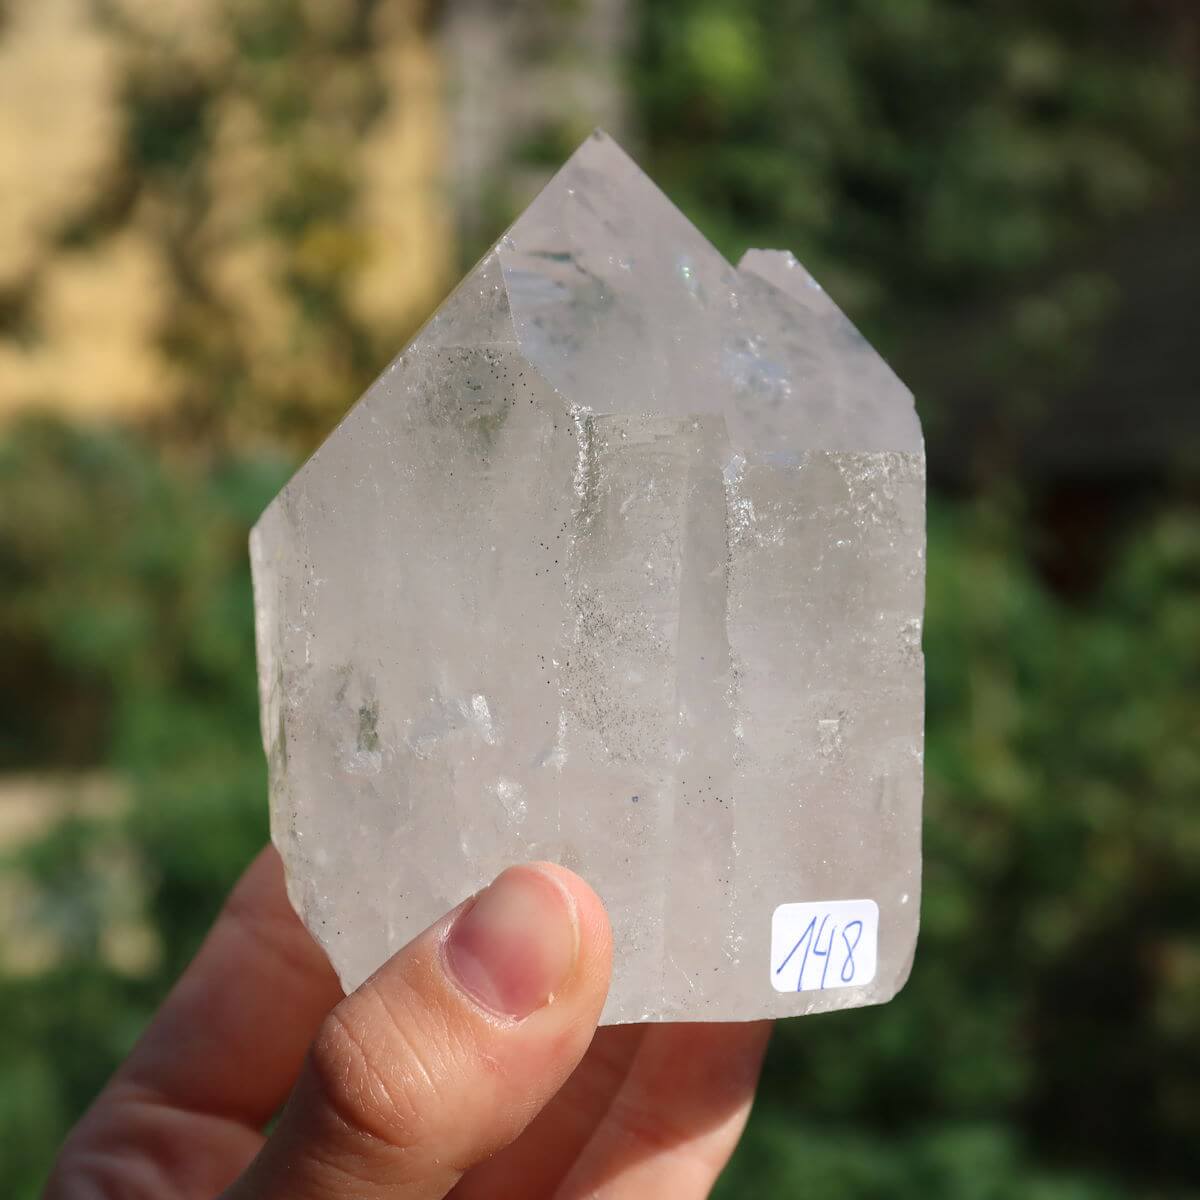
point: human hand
(469, 1065)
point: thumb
(448, 1051)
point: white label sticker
(822, 945)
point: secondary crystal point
(620, 564)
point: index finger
(232, 1035)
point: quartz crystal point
(619, 564)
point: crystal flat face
(619, 564)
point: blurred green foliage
(921, 148)
(125, 599)
(921, 156)
(930, 159)
(1054, 1011)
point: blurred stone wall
(224, 216)
(215, 211)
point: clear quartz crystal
(619, 564)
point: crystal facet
(620, 564)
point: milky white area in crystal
(619, 564)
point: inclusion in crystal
(619, 564)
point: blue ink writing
(817, 946)
(805, 937)
(819, 953)
(848, 965)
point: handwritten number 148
(816, 951)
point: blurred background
(220, 218)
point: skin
(435, 1078)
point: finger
(233, 1033)
(676, 1119)
(448, 1051)
(538, 1160)
(183, 1113)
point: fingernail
(515, 946)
